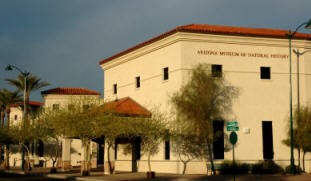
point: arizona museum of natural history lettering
(254, 60)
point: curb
(91, 179)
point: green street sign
(233, 138)
(232, 126)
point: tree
(187, 148)
(302, 132)
(33, 83)
(22, 136)
(8, 99)
(201, 100)
(52, 151)
(152, 132)
(29, 83)
(5, 139)
(78, 122)
(44, 130)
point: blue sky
(62, 41)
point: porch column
(66, 155)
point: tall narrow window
(265, 72)
(165, 73)
(55, 107)
(115, 88)
(167, 150)
(218, 139)
(267, 140)
(216, 70)
(138, 82)
(71, 107)
(40, 149)
(85, 107)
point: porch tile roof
(70, 91)
(126, 106)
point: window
(15, 117)
(55, 107)
(267, 140)
(40, 149)
(218, 136)
(265, 72)
(137, 148)
(165, 73)
(70, 107)
(216, 70)
(167, 150)
(138, 82)
(115, 88)
(85, 107)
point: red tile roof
(31, 103)
(218, 30)
(70, 91)
(126, 106)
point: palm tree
(8, 99)
(32, 83)
(27, 83)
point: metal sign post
(233, 139)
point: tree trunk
(2, 115)
(86, 163)
(185, 166)
(0, 154)
(111, 167)
(211, 158)
(299, 150)
(7, 157)
(27, 165)
(149, 164)
(26, 110)
(303, 161)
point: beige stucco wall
(241, 58)
(18, 112)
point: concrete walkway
(99, 176)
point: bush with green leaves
(266, 167)
(297, 169)
(229, 167)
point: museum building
(255, 60)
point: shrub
(266, 167)
(297, 170)
(229, 167)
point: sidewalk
(98, 175)
(175, 177)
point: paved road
(163, 178)
(98, 176)
(29, 178)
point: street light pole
(290, 35)
(25, 74)
(298, 53)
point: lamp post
(298, 53)
(25, 74)
(290, 35)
